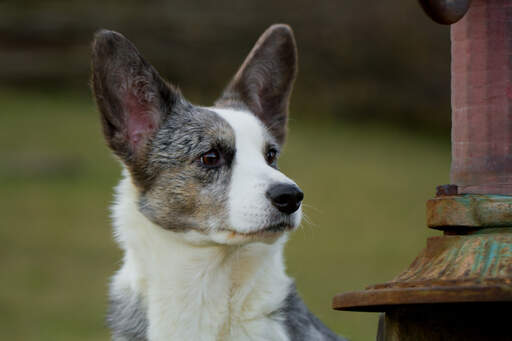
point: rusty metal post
(455, 289)
(482, 99)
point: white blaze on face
(249, 208)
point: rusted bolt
(445, 190)
(445, 12)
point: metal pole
(482, 99)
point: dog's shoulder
(301, 324)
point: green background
(365, 191)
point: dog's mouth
(272, 229)
(267, 231)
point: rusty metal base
(476, 267)
(461, 322)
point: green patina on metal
(469, 210)
(471, 262)
(475, 267)
(472, 259)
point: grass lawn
(365, 192)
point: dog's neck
(198, 292)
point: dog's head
(209, 171)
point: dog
(202, 212)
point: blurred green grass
(365, 191)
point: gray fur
(127, 317)
(301, 324)
(184, 194)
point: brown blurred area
(359, 60)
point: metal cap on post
(451, 289)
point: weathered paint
(457, 212)
(482, 99)
(468, 268)
(473, 259)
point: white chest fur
(198, 291)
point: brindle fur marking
(185, 195)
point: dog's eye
(211, 159)
(271, 156)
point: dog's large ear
(265, 80)
(132, 98)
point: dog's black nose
(285, 197)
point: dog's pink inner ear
(142, 120)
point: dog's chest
(213, 324)
(216, 305)
(207, 309)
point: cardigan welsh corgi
(202, 212)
